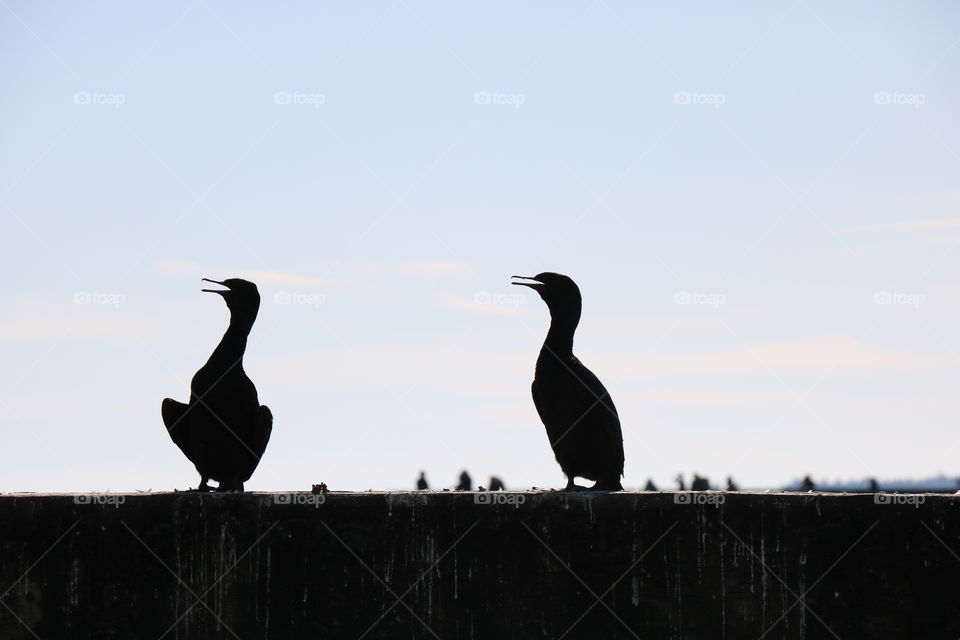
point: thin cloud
(400, 367)
(838, 354)
(483, 302)
(264, 277)
(911, 226)
(40, 319)
(732, 399)
(431, 270)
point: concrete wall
(423, 565)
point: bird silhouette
(224, 429)
(578, 413)
(422, 482)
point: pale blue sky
(783, 163)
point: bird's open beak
(220, 291)
(536, 285)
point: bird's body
(577, 411)
(224, 430)
(699, 483)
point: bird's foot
(607, 485)
(572, 486)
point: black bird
(466, 482)
(578, 413)
(699, 483)
(422, 482)
(224, 430)
(496, 484)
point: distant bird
(807, 484)
(496, 484)
(422, 482)
(873, 486)
(578, 413)
(699, 483)
(466, 482)
(731, 485)
(650, 486)
(680, 485)
(224, 430)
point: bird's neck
(229, 353)
(560, 336)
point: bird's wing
(262, 430)
(605, 410)
(176, 419)
(257, 441)
(538, 402)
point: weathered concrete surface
(423, 565)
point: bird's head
(560, 292)
(241, 296)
